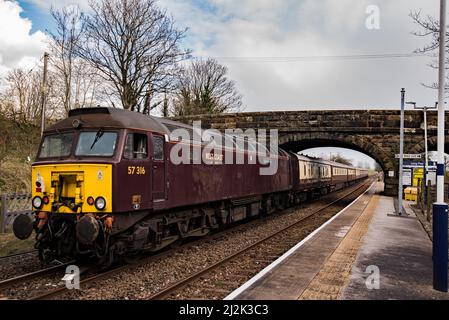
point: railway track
(95, 277)
(262, 257)
(16, 255)
(18, 264)
(111, 272)
(22, 279)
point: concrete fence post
(3, 214)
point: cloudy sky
(283, 54)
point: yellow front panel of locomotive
(96, 182)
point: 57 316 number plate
(132, 170)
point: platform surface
(365, 252)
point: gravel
(18, 265)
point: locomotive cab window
(96, 143)
(57, 145)
(136, 146)
(158, 148)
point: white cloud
(18, 46)
(254, 28)
(233, 28)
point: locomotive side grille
(240, 202)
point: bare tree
(341, 159)
(23, 92)
(25, 88)
(204, 88)
(136, 48)
(429, 27)
(7, 103)
(78, 82)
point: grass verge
(9, 244)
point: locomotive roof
(115, 118)
(118, 118)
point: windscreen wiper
(97, 137)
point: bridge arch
(296, 142)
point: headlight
(100, 203)
(37, 202)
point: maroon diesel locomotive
(104, 185)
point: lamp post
(440, 208)
(44, 93)
(401, 153)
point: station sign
(409, 156)
(418, 174)
(419, 164)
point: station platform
(365, 252)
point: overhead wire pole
(401, 153)
(44, 93)
(440, 214)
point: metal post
(401, 152)
(426, 164)
(440, 214)
(44, 94)
(426, 148)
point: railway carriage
(104, 185)
(321, 176)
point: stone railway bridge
(372, 132)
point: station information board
(407, 177)
(414, 172)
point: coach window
(158, 147)
(136, 146)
